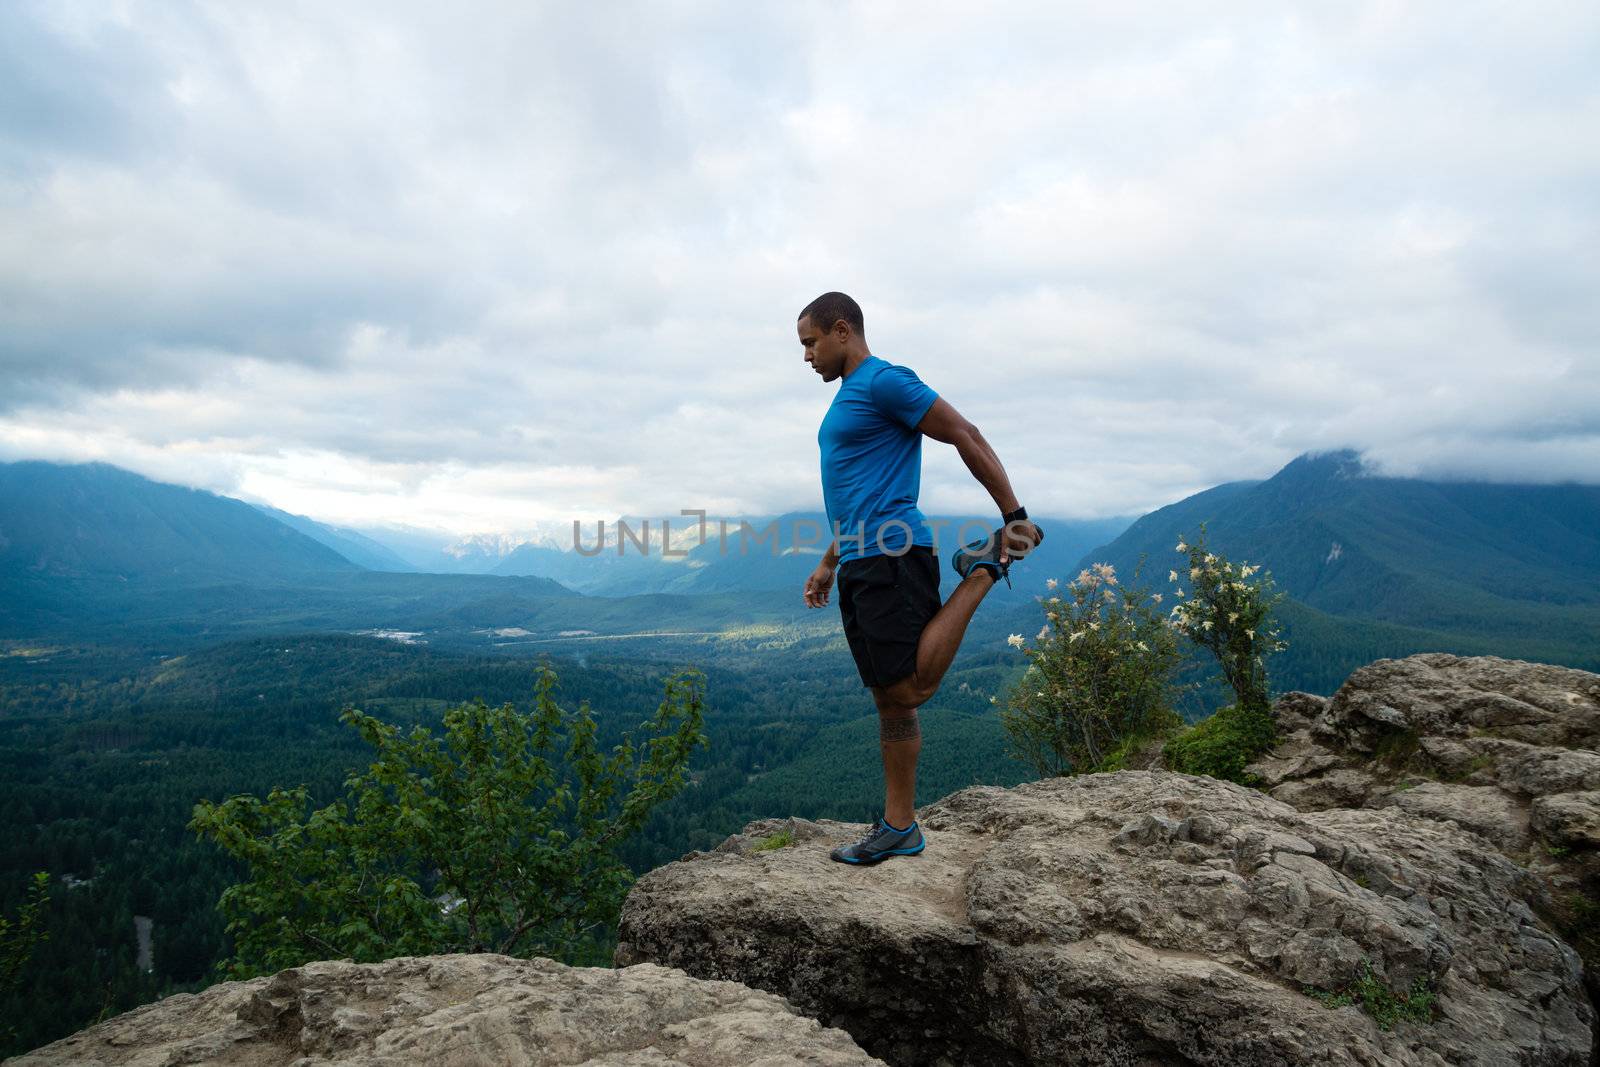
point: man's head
(833, 335)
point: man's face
(825, 351)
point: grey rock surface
(1506, 750)
(1483, 809)
(1439, 695)
(1570, 820)
(455, 1011)
(1482, 742)
(1132, 918)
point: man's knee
(909, 692)
(888, 705)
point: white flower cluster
(1220, 592)
(1092, 593)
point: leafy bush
(1229, 615)
(499, 837)
(1099, 682)
(18, 936)
(1221, 746)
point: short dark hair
(829, 308)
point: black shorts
(886, 601)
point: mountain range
(94, 520)
(1368, 562)
(97, 521)
(1517, 563)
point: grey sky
(483, 266)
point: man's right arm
(830, 558)
(821, 580)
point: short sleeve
(900, 395)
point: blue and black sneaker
(985, 552)
(881, 842)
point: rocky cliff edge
(1146, 917)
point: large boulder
(1133, 918)
(1524, 730)
(461, 1010)
(1506, 750)
(1466, 697)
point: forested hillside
(108, 753)
(1517, 565)
(95, 520)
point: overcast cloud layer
(486, 266)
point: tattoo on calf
(899, 729)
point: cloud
(493, 264)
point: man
(901, 636)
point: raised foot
(988, 553)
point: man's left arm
(944, 423)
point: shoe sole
(885, 854)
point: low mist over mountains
(91, 551)
(96, 520)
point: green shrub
(1229, 613)
(1397, 747)
(19, 936)
(499, 837)
(1098, 683)
(1224, 744)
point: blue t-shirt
(872, 460)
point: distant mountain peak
(1520, 563)
(492, 545)
(1335, 463)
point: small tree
(19, 936)
(1099, 681)
(1228, 612)
(499, 837)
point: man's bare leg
(899, 733)
(940, 640)
(900, 742)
